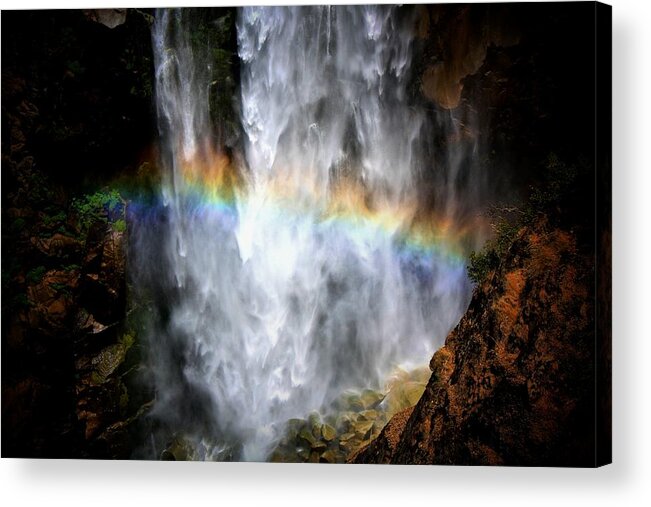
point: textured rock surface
(67, 390)
(514, 383)
(75, 112)
(107, 17)
(459, 38)
(353, 421)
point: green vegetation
(556, 188)
(75, 67)
(482, 263)
(101, 206)
(120, 225)
(545, 199)
(52, 220)
(21, 300)
(35, 275)
(127, 339)
(17, 225)
(61, 287)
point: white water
(276, 307)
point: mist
(322, 249)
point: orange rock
(512, 385)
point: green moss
(21, 300)
(61, 287)
(481, 264)
(99, 206)
(128, 339)
(17, 225)
(35, 275)
(38, 187)
(124, 399)
(544, 199)
(96, 378)
(120, 225)
(56, 219)
(75, 67)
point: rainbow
(212, 185)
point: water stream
(311, 263)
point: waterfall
(311, 263)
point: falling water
(309, 265)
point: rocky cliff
(75, 113)
(514, 383)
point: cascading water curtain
(312, 266)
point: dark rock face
(71, 94)
(509, 83)
(69, 354)
(458, 40)
(76, 93)
(107, 17)
(514, 383)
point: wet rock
(328, 457)
(386, 443)
(350, 401)
(346, 437)
(369, 415)
(363, 429)
(371, 399)
(107, 361)
(283, 456)
(314, 423)
(319, 446)
(104, 405)
(351, 445)
(308, 437)
(177, 450)
(303, 453)
(295, 425)
(328, 432)
(86, 323)
(167, 456)
(343, 422)
(402, 396)
(342, 431)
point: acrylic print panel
(347, 234)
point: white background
(626, 482)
